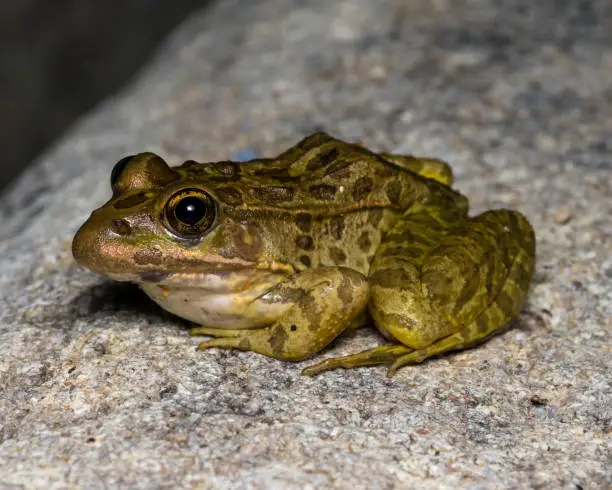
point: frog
(282, 255)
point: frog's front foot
(329, 299)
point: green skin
(325, 237)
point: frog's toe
(371, 357)
(412, 358)
(226, 338)
(225, 343)
(321, 367)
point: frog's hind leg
(398, 255)
(458, 292)
(383, 354)
(441, 282)
(489, 323)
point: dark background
(60, 57)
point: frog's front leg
(321, 304)
(441, 284)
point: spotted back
(321, 175)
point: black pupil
(190, 210)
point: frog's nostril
(121, 227)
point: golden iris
(189, 213)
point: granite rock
(101, 389)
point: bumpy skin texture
(296, 249)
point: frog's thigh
(396, 261)
(457, 292)
(324, 302)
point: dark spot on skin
(153, 276)
(375, 217)
(337, 227)
(506, 255)
(337, 255)
(273, 194)
(247, 241)
(277, 340)
(323, 192)
(385, 170)
(304, 259)
(505, 302)
(148, 256)
(285, 176)
(338, 170)
(482, 322)
(492, 282)
(394, 192)
(120, 227)
(293, 328)
(230, 196)
(322, 159)
(362, 188)
(304, 222)
(304, 242)
(131, 201)
(275, 172)
(312, 311)
(470, 288)
(268, 170)
(364, 243)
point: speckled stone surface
(101, 389)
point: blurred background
(58, 58)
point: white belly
(243, 309)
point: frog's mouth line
(221, 280)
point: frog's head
(163, 224)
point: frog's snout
(85, 245)
(98, 245)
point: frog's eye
(118, 169)
(190, 213)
